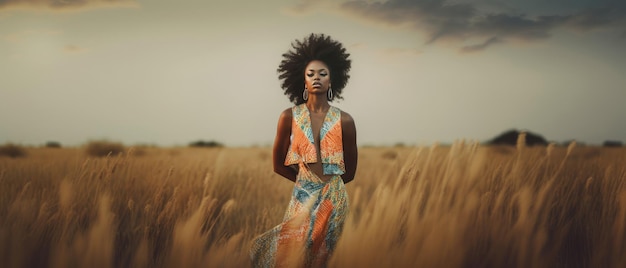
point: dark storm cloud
(480, 47)
(61, 4)
(599, 17)
(490, 21)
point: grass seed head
(521, 141)
(570, 147)
(549, 149)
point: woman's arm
(350, 152)
(281, 146)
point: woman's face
(317, 77)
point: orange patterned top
(302, 148)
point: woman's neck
(317, 103)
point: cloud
(64, 5)
(480, 47)
(599, 17)
(489, 21)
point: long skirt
(310, 228)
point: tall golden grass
(463, 205)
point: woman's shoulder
(347, 123)
(287, 110)
(291, 109)
(346, 118)
(286, 114)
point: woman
(315, 147)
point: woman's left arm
(350, 151)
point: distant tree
(53, 144)
(510, 138)
(610, 143)
(202, 143)
(12, 150)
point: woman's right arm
(281, 146)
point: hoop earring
(330, 94)
(305, 94)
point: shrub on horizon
(202, 143)
(104, 148)
(612, 143)
(12, 150)
(53, 144)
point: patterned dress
(314, 218)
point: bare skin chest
(317, 119)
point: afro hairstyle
(314, 47)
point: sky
(171, 72)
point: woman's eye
(323, 74)
(309, 75)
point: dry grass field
(440, 206)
